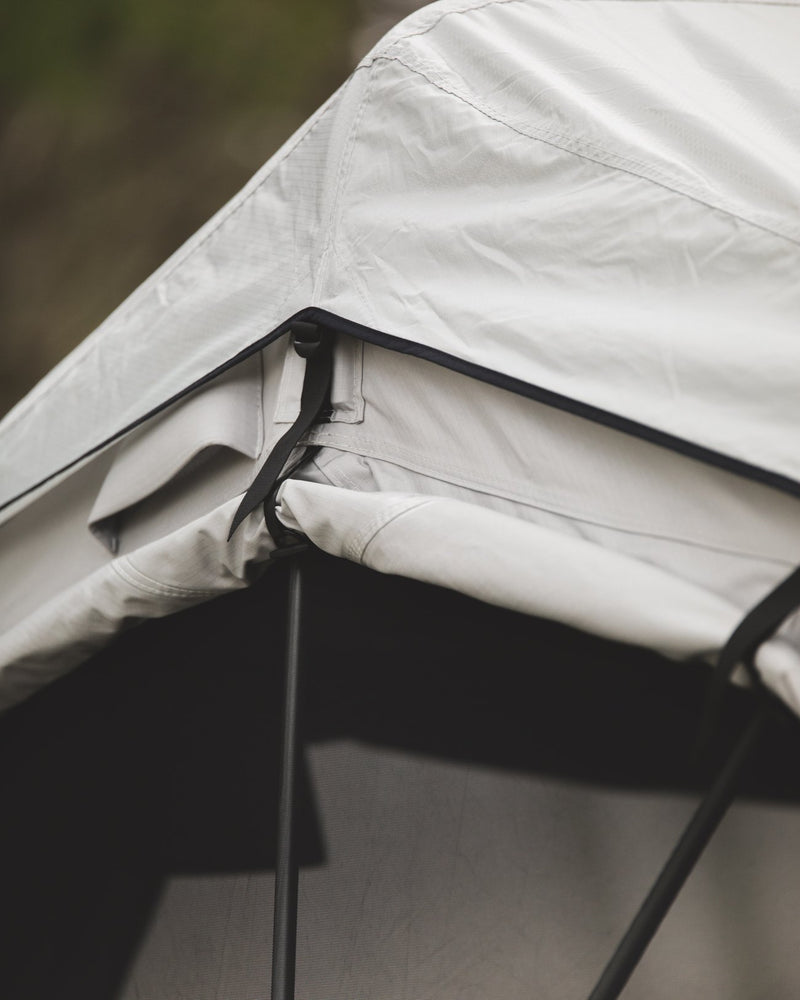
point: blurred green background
(124, 124)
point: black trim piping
(556, 400)
(314, 314)
(214, 373)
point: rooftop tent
(512, 317)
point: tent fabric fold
(553, 247)
(178, 571)
(484, 554)
(503, 561)
(597, 201)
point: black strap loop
(757, 626)
(754, 629)
(313, 343)
(286, 540)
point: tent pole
(680, 864)
(284, 936)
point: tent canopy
(556, 242)
(552, 247)
(597, 199)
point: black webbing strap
(313, 343)
(754, 629)
(287, 541)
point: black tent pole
(681, 862)
(284, 935)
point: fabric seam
(601, 157)
(342, 173)
(136, 578)
(357, 548)
(497, 488)
(469, 8)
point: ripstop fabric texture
(557, 241)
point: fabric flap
(527, 568)
(227, 414)
(183, 569)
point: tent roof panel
(597, 198)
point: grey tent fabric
(591, 205)
(555, 245)
(692, 546)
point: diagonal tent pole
(685, 855)
(284, 935)
(755, 628)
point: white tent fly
(513, 315)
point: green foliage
(250, 51)
(124, 124)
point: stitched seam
(356, 286)
(357, 547)
(358, 542)
(496, 3)
(468, 9)
(358, 382)
(341, 175)
(509, 490)
(376, 448)
(593, 153)
(130, 574)
(351, 410)
(340, 479)
(383, 53)
(262, 422)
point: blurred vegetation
(252, 51)
(124, 124)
